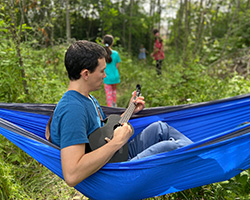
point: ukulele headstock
(138, 90)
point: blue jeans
(158, 137)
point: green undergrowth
(21, 177)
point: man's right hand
(78, 165)
(121, 134)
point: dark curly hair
(83, 55)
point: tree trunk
(178, 45)
(185, 43)
(151, 13)
(199, 30)
(124, 32)
(130, 25)
(230, 29)
(159, 10)
(17, 38)
(68, 28)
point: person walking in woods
(158, 53)
(112, 74)
(142, 54)
(78, 114)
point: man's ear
(85, 74)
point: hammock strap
(20, 131)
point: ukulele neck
(128, 113)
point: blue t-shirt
(111, 70)
(74, 119)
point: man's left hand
(139, 101)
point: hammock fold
(221, 148)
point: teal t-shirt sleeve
(117, 57)
(73, 127)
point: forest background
(207, 58)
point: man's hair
(83, 55)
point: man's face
(96, 78)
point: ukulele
(97, 138)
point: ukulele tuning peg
(138, 90)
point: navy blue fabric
(163, 173)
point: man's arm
(78, 165)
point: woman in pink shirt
(158, 53)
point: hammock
(221, 148)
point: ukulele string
(128, 114)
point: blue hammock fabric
(221, 148)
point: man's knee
(158, 124)
(171, 132)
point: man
(78, 114)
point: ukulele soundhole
(117, 125)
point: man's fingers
(128, 126)
(107, 139)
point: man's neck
(76, 85)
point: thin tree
(230, 28)
(151, 14)
(159, 11)
(17, 40)
(199, 29)
(178, 30)
(185, 44)
(68, 27)
(130, 25)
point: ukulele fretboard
(128, 113)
